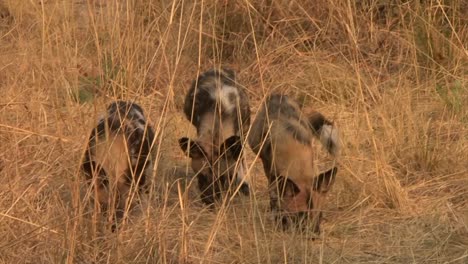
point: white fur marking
(139, 114)
(330, 139)
(241, 175)
(222, 95)
(140, 126)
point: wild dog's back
(285, 135)
(281, 118)
(122, 129)
(283, 112)
(216, 96)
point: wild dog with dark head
(118, 160)
(219, 109)
(282, 135)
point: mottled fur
(118, 158)
(282, 135)
(219, 109)
(199, 101)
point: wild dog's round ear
(325, 180)
(316, 121)
(191, 148)
(232, 146)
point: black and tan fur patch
(282, 136)
(218, 107)
(199, 99)
(118, 155)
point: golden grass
(392, 76)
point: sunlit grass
(391, 76)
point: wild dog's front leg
(241, 178)
(121, 200)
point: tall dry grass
(391, 74)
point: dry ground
(391, 74)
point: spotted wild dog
(219, 109)
(118, 161)
(282, 136)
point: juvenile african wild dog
(118, 160)
(219, 109)
(282, 136)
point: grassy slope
(393, 77)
